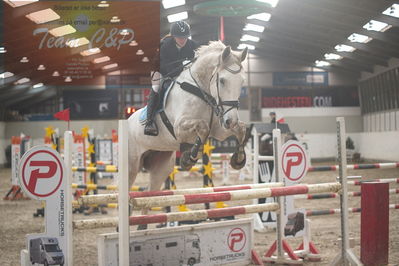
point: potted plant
(350, 148)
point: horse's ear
(226, 53)
(244, 54)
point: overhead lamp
(77, 42)
(6, 75)
(124, 32)
(172, 3)
(242, 46)
(145, 59)
(18, 3)
(344, 48)
(41, 67)
(392, 11)
(24, 60)
(253, 27)
(117, 72)
(91, 51)
(56, 74)
(355, 37)
(63, 30)
(68, 79)
(115, 19)
(376, 25)
(139, 52)
(100, 60)
(38, 85)
(3, 50)
(260, 16)
(332, 56)
(273, 3)
(103, 4)
(43, 16)
(110, 66)
(133, 43)
(177, 16)
(21, 81)
(247, 37)
(320, 63)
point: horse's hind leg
(159, 168)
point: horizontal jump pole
(174, 200)
(336, 195)
(177, 216)
(107, 187)
(382, 180)
(335, 211)
(354, 167)
(106, 198)
(97, 169)
(76, 204)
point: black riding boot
(151, 128)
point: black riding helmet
(180, 29)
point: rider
(176, 47)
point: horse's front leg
(186, 130)
(239, 158)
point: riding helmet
(180, 29)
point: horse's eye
(222, 81)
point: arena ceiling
(298, 32)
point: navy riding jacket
(169, 54)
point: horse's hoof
(185, 161)
(142, 227)
(237, 165)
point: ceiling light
(101, 59)
(77, 42)
(344, 48)
(392, 11)
(145, 59)
(68, 79)
(139, 52)
(43, 16)
(91, 51)
(41, 67)
(6, 75)
(260, 16)
(172, 3)
(115, 19)
(21, 81)
(320, 63)
(124, 32)
(38, 85)
(56, 74)
(273, 3)
(177, 16)
(103, 4)
(377, 26)
(244, 45)
(118, 72)
(18, 3)
(110, 66)
(247, 37)
(359, 38)
(253, 27)
(61, 31)
(3, 50)
(24, 60)
(332, 57)
(133, 43)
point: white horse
(216, 73)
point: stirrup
(151, 129)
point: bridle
(218, 104)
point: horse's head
(226, 84)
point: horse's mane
(212, 47)
(208, 55)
